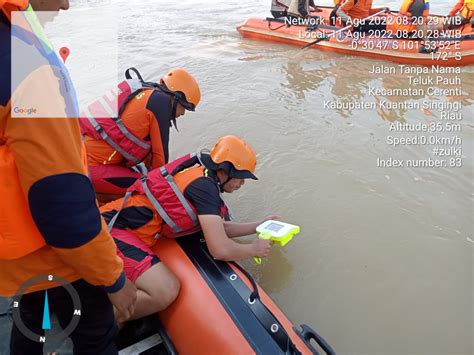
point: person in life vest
(294, 8)
(119, 149)
(351, 10)
(49, 220)
(461, 14)
(411, 17)
(178, 199)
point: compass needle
(56, 283)
(46, 317)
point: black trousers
(95, 333)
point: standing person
(139, 136)
(181, 198)
(49, 220)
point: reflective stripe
(121, 126)
(180, 196)
(107, 138)
(114, 218)
(158, 207)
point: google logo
(22, 111)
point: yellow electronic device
(276, 231)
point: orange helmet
(180, 82)
(233, 155)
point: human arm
(222, 247)
(236, 229)
(159, 113)
(49, 155)
(157, 156)
(456, 8)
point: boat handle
(307, 334)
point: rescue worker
(140, 137)
(49, 220)
(461, 13)
(411, 17)
(149, 210)
(351, 10)
(295, 8)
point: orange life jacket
(101, 120)
(164, 189)
(468, 9)
(410, 9)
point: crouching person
(181, 198)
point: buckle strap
(166, 218)
(182, 199)
(108, 139)
(114, 218)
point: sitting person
(410, 18)
(350, 10)
(149, 210)
(461, 14)
(294, 8)
(139, 136)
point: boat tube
(221, 310)
(451, 50)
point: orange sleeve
(456, 8)
(50, 159)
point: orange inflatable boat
(221, 310)
(451, 49)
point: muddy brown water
(383, 264)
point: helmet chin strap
(174, 104)
(221, 185)
(174, 107)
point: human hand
(262, 247)
(124, 300)
(269, 217)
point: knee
(166, 293)
(172, 290)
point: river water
(383, 264)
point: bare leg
(157, 288)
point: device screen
(274, 227)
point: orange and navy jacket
(50, 160)
(464, 7)
(358, 8)
(148, 116)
